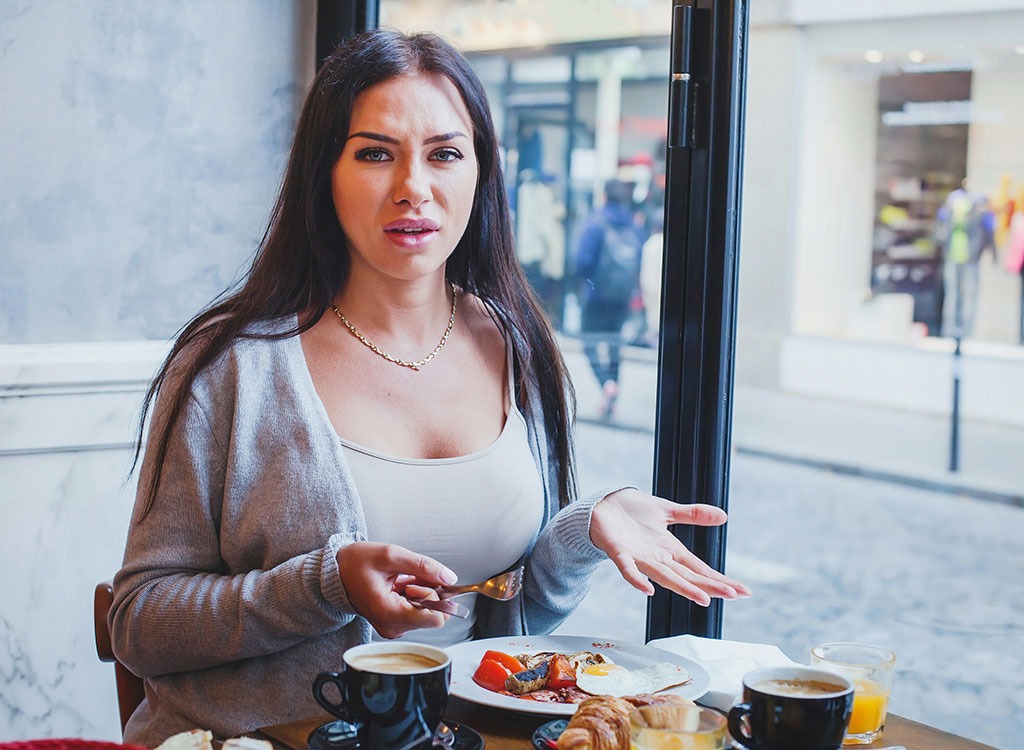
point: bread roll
(668, 716)
(600, 723)
(194, 739)
(246, 743)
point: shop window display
(922, 158)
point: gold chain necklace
(401, 362)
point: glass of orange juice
(677, 727)
(870, 669)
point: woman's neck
(409, 314)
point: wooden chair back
(130, 690)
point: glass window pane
(578, 95)
(884, 175)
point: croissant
(600, 723)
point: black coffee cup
(393, 693)
(792, 708)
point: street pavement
(849, 526)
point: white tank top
(477, 514)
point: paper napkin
(726, 661)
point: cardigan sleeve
(179, 604)
(560, 566)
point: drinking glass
(673, 727)
(870, 669)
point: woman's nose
(412, 185)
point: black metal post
(336, 20)
(954, 431)
(702, 208)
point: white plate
(466, 658)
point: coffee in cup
(805, 688)
(394, 693)
(792, 708)
(402, 662)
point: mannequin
(966, 225)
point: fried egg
(616, 680)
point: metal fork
(501, 587)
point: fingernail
(448, 577)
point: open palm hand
(632, 528)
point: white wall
(770, 171)
(996, 142)
(835, 196)
(67, 415)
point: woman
(379, 408)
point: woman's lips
(411, 232)
(411, 225)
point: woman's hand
(631, 527)
(375, 576)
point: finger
(713, 585)
(629, 571)
(401, 582)
(426, 569)
(680, 553)
(397, 630)
(412, 591)
(667, 578)
(427, 618)
(415, 593)
(697, 565)
(684, 557)
(717, 584)
(410, 617)
(697, 514)
(741, 589)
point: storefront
(868, 126)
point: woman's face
(404, 184)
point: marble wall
(67, 414)
(143, 145)
(143, 142)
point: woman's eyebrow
(445, 137)
(373, 137)
(394, 141)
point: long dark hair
(303, 258)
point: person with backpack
(608, 257)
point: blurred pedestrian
(540, 239)
(608, 258)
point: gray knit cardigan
(229, 600)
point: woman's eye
(447, 154)
(372, 154)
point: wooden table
(505, 730)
